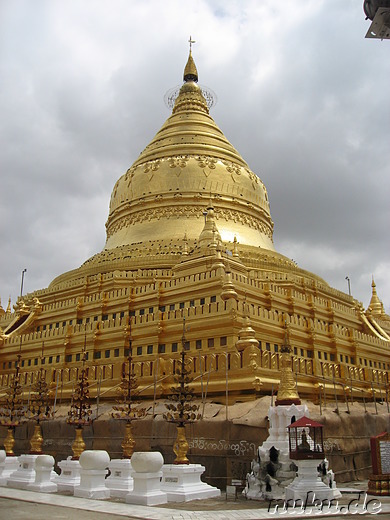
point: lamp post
(349, 285)
(21, 285)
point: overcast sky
(302, 95)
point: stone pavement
(21, 505)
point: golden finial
(191, 41)
(376, 305)
(190, 72)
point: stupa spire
(376, 305)
(209, 239)
(190, 71)
(8, 311)
(287, 393)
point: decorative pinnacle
(190, 71)
(191, 41)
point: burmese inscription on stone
(384, 453)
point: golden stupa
(190, 235)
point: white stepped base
(69, 476)
(147, 490)
(10, 465)
(181, 483)
(120, 482)
(25, 474)
(92, 485)
(308, 481)
(43, 487)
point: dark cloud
(302, 95)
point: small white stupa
(273, 469)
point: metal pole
(207, 387)
(155, 384)
(21, 285)
(349, 284)
(201, 375)
(335, 395)
(55, 398)
(324, 394)
(346, 399)
(351, 392)
(227, 387)
(320, 399)
(373, 394)
(98, 395)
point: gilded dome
(164, 194)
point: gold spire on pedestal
(80, 410)
(39, 408)
(181, 410)
(210, 238)
(375, 308)
(8, 312)
(246, 335)
(12, 410)
(287, 393)
(228, 289)
(127, 395)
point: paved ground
(22, 505)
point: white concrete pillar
(93, 473)
(44, 465)
(147, 479)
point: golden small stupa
(189, 234)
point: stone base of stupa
(69, 476)
(308, 486)
(120, 482)
(25, 474)
(9, 465)
(181, 483)
(280, 417)
(262, 484)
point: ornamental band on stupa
(190, 235)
